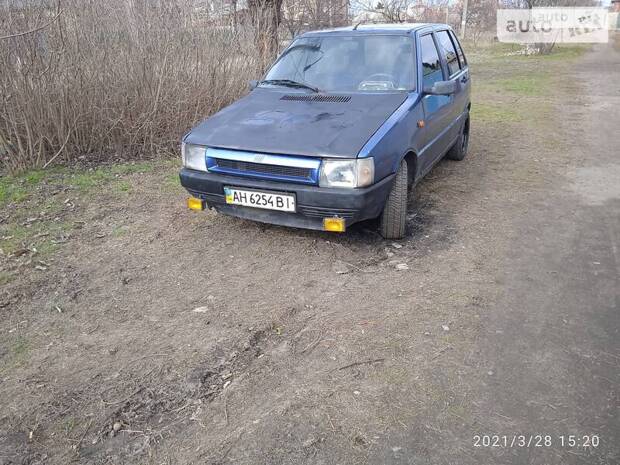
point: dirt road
(159, 335)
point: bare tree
(266, 16)
(481, 18)
(391, 11)
(299, 15)
(399, 11)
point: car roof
(388, 28)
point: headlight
(347, 173)
(194, 156)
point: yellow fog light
(334, 224)
(195, 204)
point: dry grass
(100, 79)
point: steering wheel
(380, 77)
(375, 81)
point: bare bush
(481, 19)
(300, 15)
(114, 78)
(401, 11)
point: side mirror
(253, 84)
(441, 88)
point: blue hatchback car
(341, 128)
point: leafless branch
(36, 29)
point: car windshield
(372, 63)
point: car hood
(275, 121)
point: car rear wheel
(393, 218)
(459, 149)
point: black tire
(394, 216)
(459, 149)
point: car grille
(323, 212)
(277, 170)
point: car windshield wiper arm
(290, 83)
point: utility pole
(463, 19)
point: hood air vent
(317, 98)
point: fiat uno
(339, 130)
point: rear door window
(431, 66)
(448, 52)
(459, 50)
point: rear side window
(459, 50)
(431, 66)
(448, 51)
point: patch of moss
(564, 52)
(13, 236)
(5, 277)
(69, 425)
(18, 352)
(90, 179)
(132, 168)
(40, 234)
(532, 84)
(86, 181)
(494, 113)
(34, 177)
(46, 249)
(122, 187)
(119, 231)
(172, 181)
(20, 347)
(11, 191)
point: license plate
(258, 199)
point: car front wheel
(394, 216)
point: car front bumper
(313, 203)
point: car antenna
(355, 27)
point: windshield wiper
(307, 67)
(290, 83)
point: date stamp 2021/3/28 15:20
(577, 441)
